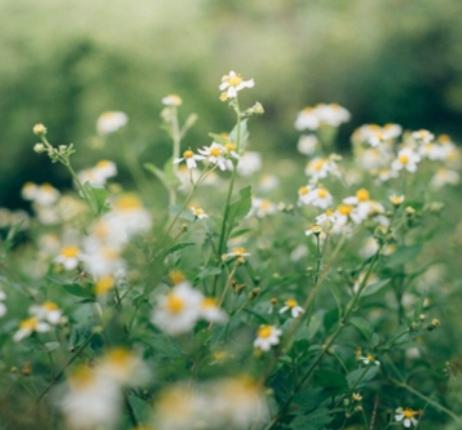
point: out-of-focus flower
(293, 307)
(232, 83)
(320, 168)
(190, 158)
(422, 136)
(29, 326)
(407, 160)
(407, 417)
(319, 197)
(48, 312)
(239, 253)
(312, 118)
(110, 122)
(97, 176)
(267, 337)
(178, 311)
(375, 135)
(216, 154)
(43, 195)
(249, 163)
(307, 144)
(368, 360)
(172, 100)
(211, 312)
(444, 177)
(262, 207)
(3, 308)
(69, 257)
(198, 212)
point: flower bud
(39, 129)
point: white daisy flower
(267, 337)
(198, 212)
(407, 160)
(262, 207)
(320, 168)
(172, 100)
(30, 326)
(98, 175)
(307, 119)
(423, 136)
(232, 83)
(332, 114)
(48, 312)
(407, 416)
(239, 253)
(216, 154)
(110, 122)
(190, 159)
(210, 311)
(293, 307)
(178, 311)
(69, 257)
(307, 144)
(444, 177)
(369, 360)
(319, 197)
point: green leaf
(241, 207)
(375, 287)
(96, 198)
(362, 326)
(243, 135)
(361, 376)
(78, 290)
(178, 247)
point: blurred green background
(64, 62)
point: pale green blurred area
(65, 62)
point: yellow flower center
(344, 209)
(50, 306)
(70, 252)
(404, 159)
(265, 331)
(104, 285)
(103, 164)
(234, 81)
(303, 191)
(409, 413)
(176, 277)
(188, 154)
(322, 193)
(230, 147)
(362, 195)
(175, 304)
(81, 377)
(239, 251)
(318, 164)
(119, 357)
(215, 151)
(127, 203)
(291, 303)
(209, 303)
(29, 324)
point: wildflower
(43, 195)
(407, 416)
(363, 206)
(315, 230)
(104, 284)
(122, 366)
(98, 175)
(190, 159)
(396, 200)
(100, 259)
(178, 311)
(376, 135)
(69, 257)
(172, 100)
(48, 312)
(90, 400)
(444, 177)
(422, 136)
(239, 253)
(211, 312)
(267, 336)
(292, 306)
(320, 168)
(319, 197)
(321, 115)
(356, 397)
(29, 326)
(262, 207)
(110, 122)
(216, 154)
(39, 129)
(407, 159)
(369, 359)
(198, 212)
(268, 183)
(307, 144)
(232, 83)
(249, 163)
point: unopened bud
(39, 129)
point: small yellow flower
(104, 285)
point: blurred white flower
(249, 163)
(232, 83)
(267, 337)
(110, 122)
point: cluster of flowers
(95, 393)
